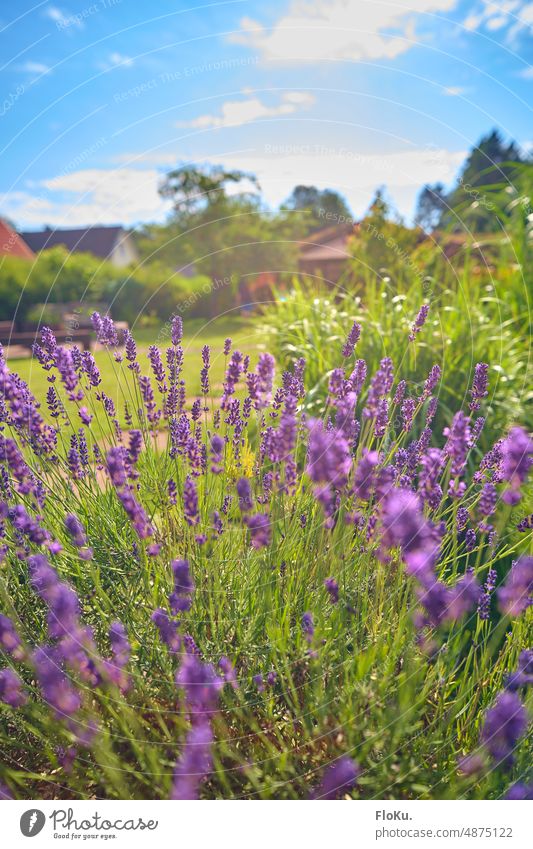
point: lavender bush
(224, 597)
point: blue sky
(100, 98)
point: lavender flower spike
(338, 779)
(479, 386)
(419, 322)
(351, 340)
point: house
(11, 243)
(325, 253)
(110, 243)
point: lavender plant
(229, 598)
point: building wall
(124, 252)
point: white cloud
(235, 113)
(34, 68)
(129, 195)
(526, 73)
(339, 29)
(148, 157)
(93, 196)
(453, 90)
(514, 16)
(116, 60)
(63, 20)
(356, 175)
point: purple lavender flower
(9, 638)
(233, 374)
(380, 386)
(458, 443)
(244, 491)
(338, 779)
(470, 539)
(428, 480)
(523, 675)
(525, 524)
(351, 340)
(381, 420)
(180, 600)
(400, 392)
(264, 381)
(121, 651)
(194, 764)
(516, 594)
(259, 683)
(176, 330)
(487, 500)
(218, 525)
(405, 526)
(329, 459)
(201, 685)
(57, 691)
(172, 490)
(74, 460)
(83, 448)
(154, 355)
(462, 517)
(11, 690)
(431, 410)
(131, 350)
(365, 474)
(53, 403)
(116, 466)
(227, 346)
(431, 382)
(504, 724)
(204, 374)
(408, 411)
(332, 589)
(136, 513)
(479, 386)
(308, 626)
(358, 376)
(26, 525)
(77, 534)
(260, 529)
(217, 452)
(67, 372)
(135, 446)
(485, 598)
(517, 457)
(106, 331)
(85, 416)
(520, 792)
(190, 502)
(168, 629)
(228, 671)
(419, 321)
(152, 413)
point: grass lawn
(116, 377)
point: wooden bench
(26, 339)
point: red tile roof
(11, 244)
(328, 244)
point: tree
(319, 208)
(382, 244)
(219, 234)
(431, 205)
(491, 163)
(193, 190)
